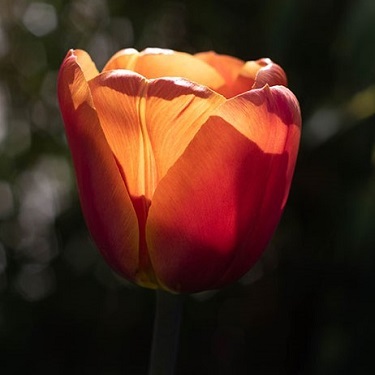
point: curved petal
(227, 66)
(157, 63)
(218, 205)
(88, 67)
(268, 116)
(240, 76)
(117, 96)
(176, 110)
(268, 73)
(106, 205)
(275, 115)
(123, 59)
(148, 124)
(256, 74)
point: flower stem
(166, 333)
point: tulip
(183, 162)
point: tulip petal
(277, 110)
(240, 76)
(227, 66)
(118, 99)
(148, 124)
(256, 74)
(88, 67)
(106, 204)
(230, 69)
(123, 59)
(217, 206)
(176, 110)
(157, 63)
(264, 72)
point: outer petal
(88, 67)
(106, 205)
(219, 204)
(157, 63)
(176, 110)
(276, 115)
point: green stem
(166, 333)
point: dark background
(306, 308)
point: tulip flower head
(183, 162)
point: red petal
(277, 133)
(106, 205)
(217, 207)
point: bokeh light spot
(40, 18)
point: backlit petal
(219, 204)
(88, 67)
(256, 74)
(157, 63)
(118, 97)
(176, 110)
(148, 124)
(122, 59)
(227, 66)
(275, 113)
(266, 73)
(269, 116)
(106, 205)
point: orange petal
(256, 74)
(269, 116)
(87, 66)
(149, 124)
(176, 110)
(118, 98)
(217, 207)
(276, 119)
(227, 66)
(123, 59)
(157, 63)
(262, 72)
(268, 73)
(106, 205)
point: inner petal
(157, 63)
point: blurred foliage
(306, 308)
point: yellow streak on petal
(147, 167)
